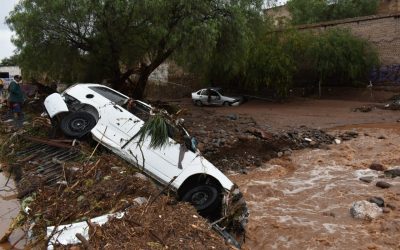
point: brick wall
(383, 31)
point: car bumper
(234, 217)
(55, 105)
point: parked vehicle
(214, 96)
(99, 110)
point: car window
(110, 95)
(214, 93)
(141, 111)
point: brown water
(303, 201)
(9, 208)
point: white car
(214, 96)
(98, 110)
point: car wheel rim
(78, 124)
(199, 198)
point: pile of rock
(375, 206)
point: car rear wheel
(205, 198)
(198, 103)
(77, 124)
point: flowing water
(303, 201)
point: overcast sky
(7, 48)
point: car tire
(77, 124)
(198, 103)
(205, 198)
(226, 104)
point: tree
(280, 59)
(112, 39)
(9, 61)
(273, 61)
(313, 11)
(337, 52)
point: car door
(203, 96)
(214, 97)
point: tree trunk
(138, 91)
(319, 89)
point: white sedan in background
(214, 96)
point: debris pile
(394, 103)
(237, 142)
(161, 225)
(59, 186)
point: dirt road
(307, 112)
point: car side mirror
(190, 143)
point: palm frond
(156, 128)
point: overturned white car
(99, 110)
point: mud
(317, 114)
(303, 201)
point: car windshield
(110, 95)
(219, 91)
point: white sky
(6, 46)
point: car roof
(213, 88)
(87, 85)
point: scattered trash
(363, 109)
(140, 200)
(348, 135)
(66, 234)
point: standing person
(16, 99)
(1, 92)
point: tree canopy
(277, 60)
(9, 61)
(313, 11)
(85, 40)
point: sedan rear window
(110, 95)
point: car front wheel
(77, 124)
(205, 198)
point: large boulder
(365, 210)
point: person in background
(15, 100)
(1, 92)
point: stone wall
(383, 31)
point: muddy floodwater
(9, 208)
(302, 201)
